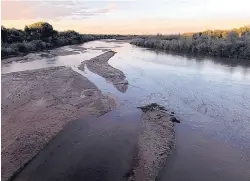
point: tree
(44, 29)
(3, 34)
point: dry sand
(37, 104)
(155, 144)
(100, 66)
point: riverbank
(219, 43)
(41, 36)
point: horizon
(128, 16)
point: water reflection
(99, 81)
(232, 62)
(210, 96)
(193, 64)
(212, 100)
(66, 56)
(201, 157)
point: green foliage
(234, 43)
(40, 36)
(216, 34)
(39, 30)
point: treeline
(223, 43)
(40, 36)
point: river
(210, 96)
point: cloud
(85, 13)
(52, 10)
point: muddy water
(210, 96)
(101, 149)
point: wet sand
(116, 146)
(52, 53)
(155, 143)
(99, 65)
(38, 104)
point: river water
(210, 96)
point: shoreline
(190, 55)
(39, 104)
(33, 113)
(51, 52)
(100, 66)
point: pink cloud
(49, 10)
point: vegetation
(40, 36)
(234, 43)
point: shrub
(6, 51)
(234, 43)
(39, 36)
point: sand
(156, 143)
(100, 66)
(37, 104)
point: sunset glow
(128, 17)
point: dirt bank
(99, 65)
(155, 143)
(37, 104)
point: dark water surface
(210, 96)
(98, 149)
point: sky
(128, 16)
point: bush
(35, 37)
(6, 51)
(39, 36)
(235, 44)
